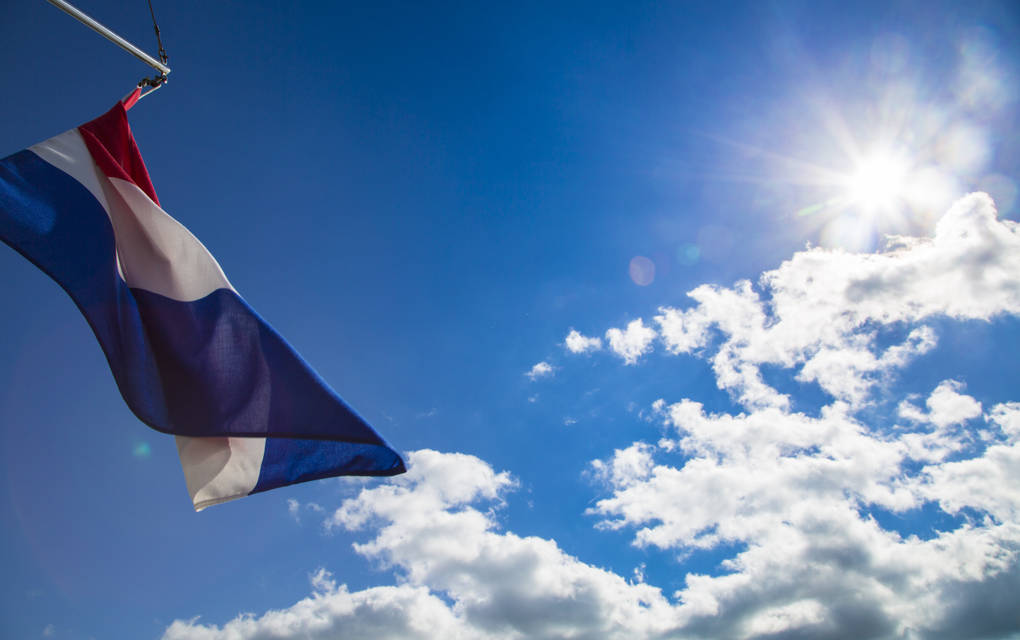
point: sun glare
(878, 183)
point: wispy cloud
(540, 370)
(294, 508)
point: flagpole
(88, 21)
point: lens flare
(642, 271)
(688, 254)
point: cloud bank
(427, 525)
(811, 511)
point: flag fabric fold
(189, 356)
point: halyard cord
(156, 81)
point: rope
(156, 81)
(159, 41)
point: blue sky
(772, 420)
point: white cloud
(805, 613)
(1007, 417)
(48, 631)
(795, 492)
(812, 565)
(990, 483)
(743, 473)
(794, 502)
(390, 613)
(540, 370)
(631, 343)
(294, 508)
(627, 466)
(948, 406)
(577, 343)
(823, 306)
(500, 585)
(947, 411)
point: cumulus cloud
(391, 612)
(812, 565)
(802, 507)
(578, 343)
(800, 496)
(823, 306)
(540, 370)
(1007, 417)
(426, 524)
(626, 467)
(796, 494)
(948, 406)
(631, 343)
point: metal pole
(78, 15)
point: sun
(879, 182)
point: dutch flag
(189, 356)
